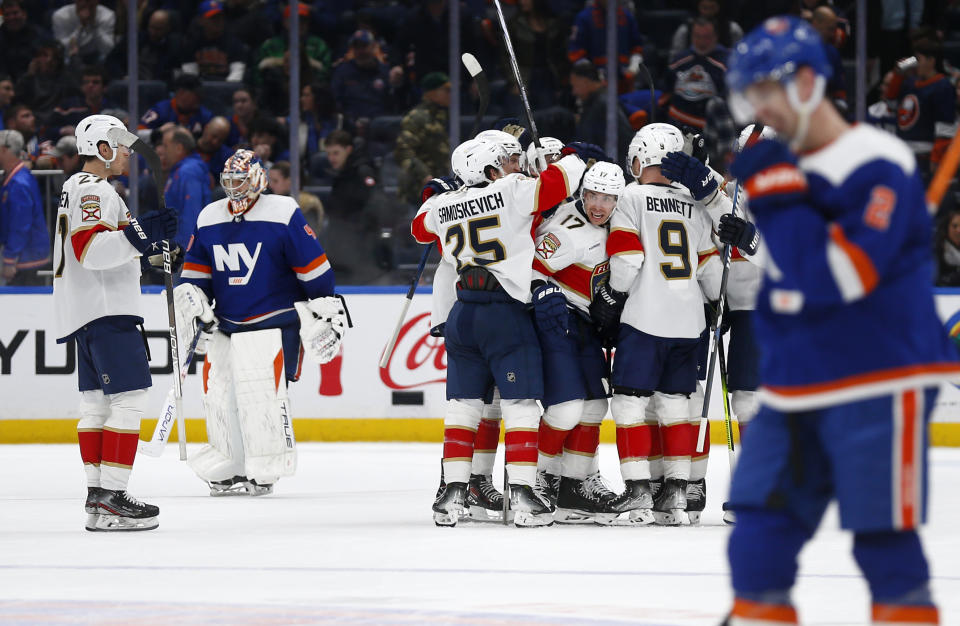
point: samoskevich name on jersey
(470, 208)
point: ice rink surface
(350, 540)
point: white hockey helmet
(603, 178)
(471, 159)
(92, 130)
(243, 180)
(766, 133)
(551, 152)
(651, 144)
(508, 142)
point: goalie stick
(131, 141)
(483, 89)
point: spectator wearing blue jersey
(589, 41)
(23, 228)
(362, 84)
(189, 182)
(184, 108)
(695, 76)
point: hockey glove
(191, 305)
(146, 233)
(769, 174)
(738, 232)
(155, 261)
(436, 186)
(605, 311)
(691, 173)
(550, 311)
(586, 152)
(322, 324)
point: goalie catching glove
(322, 324)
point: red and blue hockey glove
(769, 174)
(605, 309)
(691, 173)
(550, 312)
(738, 232)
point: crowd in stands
(375, 97)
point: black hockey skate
(547, 487)
(671, 502)
(239, 486)
(696, 500)
(450, 504)
(597, 487)
(632, 507)
(118, 510)
(443, 482)
(577, 504)
(530, 510)
(484, 501)
(91, 508)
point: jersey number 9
(673, 243)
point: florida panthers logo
(600, 275)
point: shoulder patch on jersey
(90, 207)
(309, 231)
(882, 201)
(548, 246)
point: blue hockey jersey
(846, 311)
(255, 266)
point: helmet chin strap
(804, 109)
(112, 159)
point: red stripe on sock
(120, 448)
(91, 446)
(457, 443)
(551, 439)
(583, 439)
(679, 440)
(521, 446)
(488, 436)
(635, 441)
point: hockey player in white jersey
(96, 294)
(255, 268)
(570, 265)
(484, 229)
(661, 252)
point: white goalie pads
(249, 424)
(322, 324)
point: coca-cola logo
(418, 359)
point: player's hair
(183, 137)
(283, 167)
(930, 48)
(339, 137)
(95, 70)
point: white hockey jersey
(572, 254)
(662, 253)
(96, 270)
(491, 226)
(444, 292)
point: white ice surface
(350, 539)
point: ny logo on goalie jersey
(228, 259)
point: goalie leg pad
(222, 457)
(269, 446)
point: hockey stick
(388, 352)
(727, 417)
(523, 90)
(161, 433)
(131, 141)
(717, 337)
(483, 89)
(944, 176)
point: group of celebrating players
(603, 265)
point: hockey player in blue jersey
(852, 349)
(257, 261)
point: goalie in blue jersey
(256, 271)
(852, 351)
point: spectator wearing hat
(24, 238)
(19, 38)
(273, 55)
(183, 108)
(188, 187)
(589, 88)
(85, 29)
(210, 53)
(211, 146)
(695, 76)
(93, 84)
(362, 85)
(423, 146)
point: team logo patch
(548, 246)
(511, 377)
(309, 231)
(909, 112)
(600, 275)
(90, 206)
(877, 213)
(106, 378)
